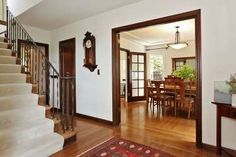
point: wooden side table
(223, 110)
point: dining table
(190, 91)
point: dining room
(158, 78)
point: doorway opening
(67, 70)
(135, 76)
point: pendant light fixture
(178, 44)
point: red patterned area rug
(117, 147)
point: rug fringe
(94, 147)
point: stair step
(2, 39)
(20, 116)
(13, 101)
(10, 68)
(5, 52)
(12, 78)
(35, 88)
(4, 45)
(28, 131)
(7, 60)
(39, 147)
(42, 99)
(48, 110)
(15, 89)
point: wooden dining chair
(150, 92)
(190, 94)
(160, 98)
(183, 100)
(171, 90)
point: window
(178, 62)
(156, 67)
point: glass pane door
(137, 76)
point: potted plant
(185, 72)
(232, 84)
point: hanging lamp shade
(178, 44)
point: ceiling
(162, 34)
(52, 14)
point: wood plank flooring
(168, 133)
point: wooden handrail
(3, 22)
(40, 69)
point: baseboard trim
(94, 119)
(227, 151)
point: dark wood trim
(196, 14)
(124, 49)
(70, 140)
(3, 22)
(94, 119)
(198, 43)
(60, 42)
(193, 57)
(225, 151)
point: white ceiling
(162, 34)
(52, 14)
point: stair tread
(10, 65)
(5, 49)
(13, 74)
(15, 84)
(51, 141)
(5, 53)
(25, 132)
(17, 95)
(28, 108)
(21, 116)
(3, 56)
(24, 126)
(10, 102)
(2, 42)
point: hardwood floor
(168, 133)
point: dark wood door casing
(67, 59)
(196, 15)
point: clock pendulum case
(89, 44)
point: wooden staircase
(28, 125)
(24, 129)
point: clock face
(88, 44)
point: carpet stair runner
(24, 129)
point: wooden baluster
(58, 107)
(7, 35)
(67, 102)
(72, 103)
(53, 98)
(63, 104)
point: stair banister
(30, 55)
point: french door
(136, 76)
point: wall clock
(89, 44)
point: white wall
(3, 5)
(38, 35)
(94, 93)
(172, 53)
(17, 7)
